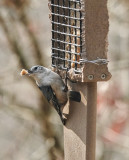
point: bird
(53, 88)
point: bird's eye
(35, 68)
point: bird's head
(36, 71)
(39, 73)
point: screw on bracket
(90, 77)
(103, 76)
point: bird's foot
(63, 121)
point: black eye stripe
(35, 68)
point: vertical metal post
(91, 120)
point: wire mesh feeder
(68, 38)
(66, 21)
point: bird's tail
(74, 96)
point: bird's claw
(63, 121)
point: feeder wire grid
(66, 19)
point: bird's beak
(29, 72)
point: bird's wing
(49, 95)
(47, 92)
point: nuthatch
(53, 88)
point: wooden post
(80, 129)
(75, 129)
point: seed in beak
(23, 72)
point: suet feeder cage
(72, 30)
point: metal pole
(91, 120)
